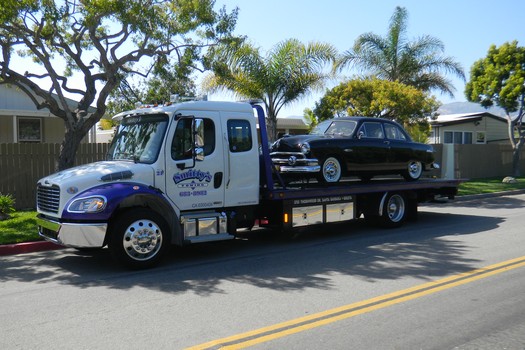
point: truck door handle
(217, 179)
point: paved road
(453, 280)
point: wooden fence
(23, 164)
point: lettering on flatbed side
(322, 200)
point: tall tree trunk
(516, 151)
(68, 150)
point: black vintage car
(353, 146)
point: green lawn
(490, 185)
(22, 225)
(20, 228)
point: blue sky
(466, 27)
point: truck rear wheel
(389, 212)
(393, 211)
(139, 239)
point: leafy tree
(380, 98)
(419, 63)
(288, 72)
(499, 79)
(310, 118)
(103, 41)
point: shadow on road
(429, 248)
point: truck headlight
(93, 204)
(305, 148)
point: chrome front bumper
(293, 162)
(298, 169)
(72, 235)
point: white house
(21, 121)
(469, 128)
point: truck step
(209, 238)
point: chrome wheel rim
(395, 208)
(415, 169)
(142, 240)
(331, 170)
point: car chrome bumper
(434, 166)
(299, 169)
(72, 235)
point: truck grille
(48, 198)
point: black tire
(393, 209)
(139, 238)
(331, 170)
(413, 171)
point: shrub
(7, 206)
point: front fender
(115, 193)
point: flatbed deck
(445, 187)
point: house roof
(14, 101)
(459, 118)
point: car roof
(361, 118)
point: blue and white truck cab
(182, 169)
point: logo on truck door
(192, 179)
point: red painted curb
(27, 247)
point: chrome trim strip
(300, 169)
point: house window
(29, 130)
(458, 137)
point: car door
(401, 151)
(370, 150)
(192, 183)
(241, 163)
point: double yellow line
(301, 324)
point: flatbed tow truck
(201, 171)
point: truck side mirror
(198, 137)
(199, 153)
(198, 132)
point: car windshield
(335, 127)
(321, 128)
(139, 138)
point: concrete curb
(27, 247)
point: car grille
(48, 198)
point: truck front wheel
(139, 238)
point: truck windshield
(139, 138)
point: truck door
(194, 162)
(241, 159)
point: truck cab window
(183, 145)
(239, 135)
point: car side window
(371, 130)
(239, 135)
(393, 132)
(182, 146)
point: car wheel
(414, 170)
(139, 238)
(393, 211)
(331, 170)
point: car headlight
(305, 148)
(93, 204)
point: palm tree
(418, 63)
(287, 73)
